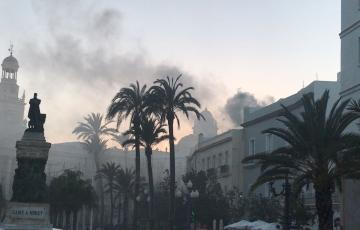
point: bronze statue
(37, 120)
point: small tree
(237, 205)
(69, 192)
(109, 171)
(124, 187)
(263, 208)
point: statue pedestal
(26, 216)
(28, 208)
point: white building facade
(349, 78)
(258, 120)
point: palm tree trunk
(172, 172)
(151, 187)
(324, 208)
(111, 206)
(101, 190)
(75, 220)
(126, 209)
(67, 220)
(137, 173)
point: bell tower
(11, 106)
(9, 89)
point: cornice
(350, 29)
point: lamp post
(286, 192)
(188, 195)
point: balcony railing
(211, 172)
(224, 170)
(309, 199)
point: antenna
(11, 48)
(317, 76)
(303, 84)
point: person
(337, 224)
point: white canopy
(268, 226)
(238, 225)
(256, 225)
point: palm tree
(124, 186)
(109, 170)
(130, 103)
(167, 99)
(94, 126)
(319, 152)
(91, 132)
(69, 192)
(152, 133)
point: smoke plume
(236, 104)
(84, 60)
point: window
(208, 162)
(226, 157)
(252, 147)
(203, 164)
(268, 143)
(220, 159)
(214, 161)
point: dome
(207, 127)
(10, 64)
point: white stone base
(25, 227)
(26, 216)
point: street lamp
(188, 195)
(286, 192)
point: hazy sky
(77, 54)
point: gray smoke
(236, 104)
(83, 61)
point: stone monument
(28, 208)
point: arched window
(220, 159)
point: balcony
(211, 172)
(224, 170)
(309, 199)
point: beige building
(220, 155)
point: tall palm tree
(130, 103)
(124, 186)
(92, 131)
(152, 133)
(109, 171)
(96, 147)
(168, 97)
(319, 152)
